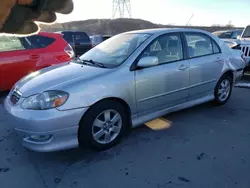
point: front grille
(15, 96)
(245, 50)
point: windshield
(114, 51)
(246, 32)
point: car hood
(245, 41)
(51, 78)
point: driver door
(166, 85)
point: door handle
(183, 67)
(34, 56)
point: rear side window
(38, 41)
(198, 45)
(216, 48)
(10, 44)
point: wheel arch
(229, 73)
(111, 99)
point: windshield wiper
(79, 60)
(87, 62)
(94, 63)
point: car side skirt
(137, 121)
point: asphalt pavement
(206, 146)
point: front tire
(103, 126)
(223, 90)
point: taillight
(69, 50)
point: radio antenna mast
(189, 20)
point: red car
(20, 56)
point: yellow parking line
(159, 124)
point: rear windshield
(77, 36)
(246, 32)
(106, 37)
(224, 35)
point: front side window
(198, 45)
(167, 48)
(116, 50)
(10, 44)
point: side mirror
(238, 37)
(149, 61)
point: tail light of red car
(69, 50)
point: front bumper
(45, 131)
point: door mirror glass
(149, 61)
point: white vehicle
(230, 36)
(244, 44)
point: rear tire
(103, 126)
(223, 90)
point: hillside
(108, 26)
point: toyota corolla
(124, 82)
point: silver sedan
(124, 82)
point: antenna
(189, 20)
(121, 6)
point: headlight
(46, 100)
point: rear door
(206, 63)
(16, 61)
(41, 51)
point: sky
(175, 12)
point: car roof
(72, 32)
(231, 30)
(166, 30)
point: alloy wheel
(107, 126)
(224, 90)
